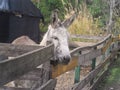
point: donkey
(58, 35)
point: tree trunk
(110, 23)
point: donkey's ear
(69, 21)
(54, 18)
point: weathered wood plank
(85, 59)
(34, 75)
(102, 41)
(50, 85)
(107, 45)
(13, 68)
(13, 88)
(15, 50)
(60, 69)
(90, 47)
(3, 57)
(97, 81)
(115, 39)
(76, 50)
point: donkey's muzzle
(60, 60)
(65, 60)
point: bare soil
(66, 80)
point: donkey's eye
(56, 38)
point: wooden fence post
(94, 61)
(77, 72)
(116, 46)
(93, 65)
(103, 53)
(119, 48)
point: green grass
(115, 74)
(113, 77)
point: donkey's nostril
(66, 60)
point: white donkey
(58, 35)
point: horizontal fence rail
(11, 69)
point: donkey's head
(59, 36)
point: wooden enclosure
(27, 58)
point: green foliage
(97, 10)
(46, 7)
(71, 5)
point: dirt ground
(66, 80)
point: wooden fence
(27, 58)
